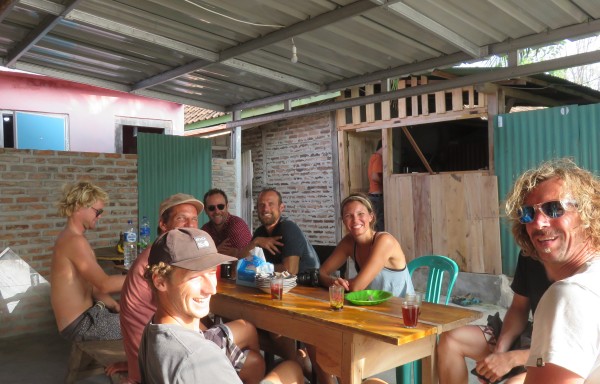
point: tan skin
(76, 277)
(493, 363)
(244, 333)
(269, 209)
(371, 256)
(561, 245)
(184, 298)
(219, 217)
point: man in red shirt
(375, 174)
(229, 232)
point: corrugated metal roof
(232, 54)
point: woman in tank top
(377, 257)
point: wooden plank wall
(453, 214)
(450, 104)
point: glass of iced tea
(277, 288)
(411, 309)
(336, 297)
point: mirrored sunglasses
(98, 211)
(551, 209)
(213, 207)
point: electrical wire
(233, 18)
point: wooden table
(354, 343)
(108, 253)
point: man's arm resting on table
(290, 264)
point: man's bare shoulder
(70, 244)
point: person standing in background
(375, 174)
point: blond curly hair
(81, 194)
(579, 184)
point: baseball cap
(188, 248)
(179, 198)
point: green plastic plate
(368, 297)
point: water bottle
(144, 233)
(129, 244)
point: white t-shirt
(566, 328)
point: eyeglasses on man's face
(551, 209)
(98, 211)
(213, 207)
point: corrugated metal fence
(169, 165)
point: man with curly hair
(83, 307)
(555, 214)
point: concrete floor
(38, 358)
(42, 358)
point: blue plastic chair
(438, 267)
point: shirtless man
(83, 307)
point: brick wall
(31, 183)
(223, 177)
(295, 157)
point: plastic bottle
(129, 244)
(144, 233)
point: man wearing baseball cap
(137, 305)
(182, 274)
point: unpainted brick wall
(31, 184)
(296, 157)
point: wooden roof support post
(418, 150)
(496, 102)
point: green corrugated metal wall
(523, 140)
(169, 165)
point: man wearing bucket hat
(137, 306)
(182, 274)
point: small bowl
(368, 297)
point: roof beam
(69, 76)
(338, 14)
(38, 33)
(562, 88)
(570, 32)
(494, 75)
(323, 20)
(205, 57)
(438, 29)
(6, 6)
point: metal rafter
(495, 75)
(38, 33)
(434, 27)
(540, 39)
(299, 28)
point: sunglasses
(98, 211)
(551, 209)
(213, 207)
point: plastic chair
(438, 266)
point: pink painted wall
(91, 111)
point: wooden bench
(89, 358)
